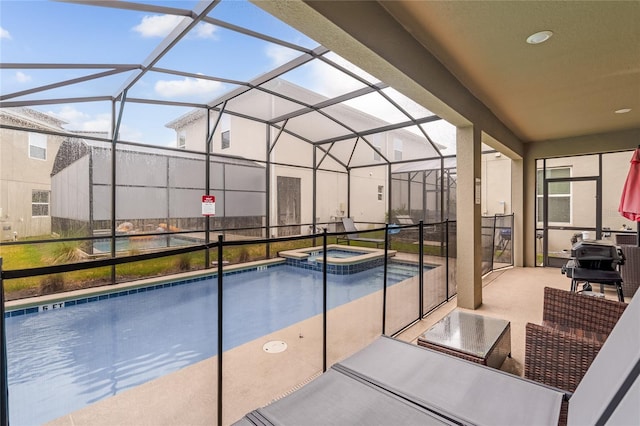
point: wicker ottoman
(476, 338)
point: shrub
(184, 262)
(244, 255)
(68, 252)
(52, 284)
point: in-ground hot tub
(341, 259)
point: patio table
(477, 338)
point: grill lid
(598, 254)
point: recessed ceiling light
(539, 37)
(623, 110)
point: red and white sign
(208, 205)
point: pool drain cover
(274, 347)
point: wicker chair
(630, 271)
(574, 328)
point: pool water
(62, 360)
(335, 253)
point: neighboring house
(26, 160)
(292, 197)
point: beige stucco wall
(496, 184)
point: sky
(39, 31)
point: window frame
(41, 203)
(540, 195)
(39, 141)
(225, 139)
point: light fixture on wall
(622, 110)
(539, 37)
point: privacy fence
(281, 312)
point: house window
(226, 140)
(182, 140)
(397, 150)
(38, 146)
(559, 196)
(39, 203)
(380, 192)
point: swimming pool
(64, 359)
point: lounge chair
(394, 382)
(432, 234)
(352, 234)
(404, 219)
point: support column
(468, 217)
(517, 207)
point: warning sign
(208, 205)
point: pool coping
(52, 301)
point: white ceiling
(569, 86)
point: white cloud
(132, 130)
(158, 25)
(78, 120)
(204, 30)
(188, 87)
(22, 77)
(162, 25)
(4, 34)
(280, 55)
(69, 114)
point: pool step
(399, 274)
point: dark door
(288, 206)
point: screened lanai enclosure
(112, 147)
(315, 123)
(425, 190)
(319, 138)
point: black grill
(595, 262)
(602, 255)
